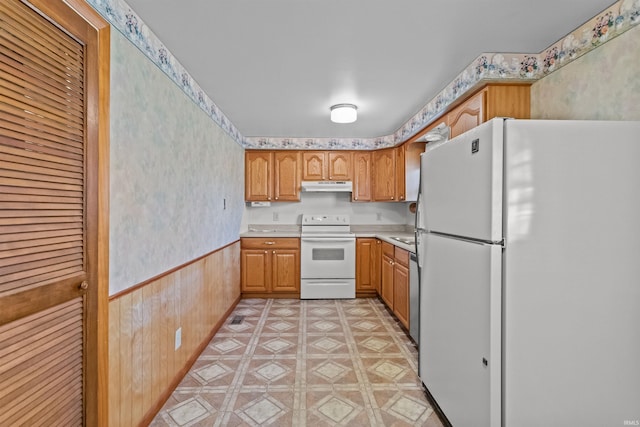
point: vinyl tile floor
(285, 362)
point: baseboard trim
(288, 295)
(151, 414)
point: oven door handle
(328, 239)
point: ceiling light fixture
(344, 113)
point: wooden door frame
(97, 130)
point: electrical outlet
(178, 338)
(276, 216)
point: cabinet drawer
(402, 256)
(269, 243)
(387, 249)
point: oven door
(328, 257)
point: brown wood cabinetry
(361, 176)
(467, 115)
(326, 165)
(286, 176)
(390, 173)
(367, 266)
(270, 266)
(272, 176)
(400, 194)
(491, 100)
(340, 165)
(383, 182)
(401, 286)
(395, 281)
(258, 175)
(387, 274)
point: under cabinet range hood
(327, 186)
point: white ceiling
(275, 67)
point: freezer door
(461, 184)
(460, 333)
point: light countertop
(382, 232)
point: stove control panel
(315, 219)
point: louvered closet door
(46, 250)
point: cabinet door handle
(274, 252)
(270, 243)
(391, 198)
(276, 197)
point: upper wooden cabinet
(313, 166)
(384, 175)
(467, 115)
(286, 176)
(391, 169)
(272, 176)
(258, 175)
(326, 165)
(390, 174)
(491, 100)
(361, 176)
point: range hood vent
(327, 186)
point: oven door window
(327, 254)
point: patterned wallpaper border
(488, 67)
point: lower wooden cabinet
(395, 281)
(270, 266)
(386, 274)
(401, 286)
(367, 266)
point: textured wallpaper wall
(603, 84)
(171, 169)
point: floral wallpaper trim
(487, 67)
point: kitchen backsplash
(381, 213)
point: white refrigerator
(528, 242)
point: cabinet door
(339, 164)
(400, 173)
(365, 259)
(468, 115)
(361, 177)
(286, 270)
(313, 166)
(387, 273)
(286, 176)
(384, 175)
(401, 293)
(377, 264)
(258, 178)
(255, 268)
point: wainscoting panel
(144, 366)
